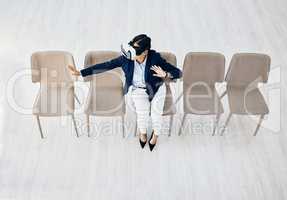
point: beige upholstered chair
(169, 108)
(246, 70)
(105, 97)
(56, 93)
(200, 73)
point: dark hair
(143, 41)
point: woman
(145, 71)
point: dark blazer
(152, 82)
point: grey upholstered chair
(105, 97)
(56, 93)
(246, 70)
(200, 73)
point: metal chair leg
(77, 99)
(182, 124)
(226, 123)
(216, 123)
(170, 125)
(223, 94)
(258, 125)
(40, 127)
(74, 121)
(123, 125)
(88, 124)
(136, 129)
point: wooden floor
(196, 165)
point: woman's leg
(142, 107)
(157, 105)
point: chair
(169, 108)
(246, 70)
(56, 93)
(200, 73)
(105, 96)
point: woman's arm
(102, 67)
(98, 68)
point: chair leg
(216, 123)
(258, 125)
(136, 129)
(226, 123)
(123, 125)
(74, 121)
(77, 99)
(170, 125)
(40, 127)
(182, 124)
(223, 94)
(88, 124)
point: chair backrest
(169, 57)
(50, 67)
(246, 68)
(203, 67)
(110, 78)
(169, 107)
(106, 89)
(56, 94)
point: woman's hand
(74, 70)
(159, 72)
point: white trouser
(144, 108)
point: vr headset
(130, 51)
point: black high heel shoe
(142, 143)
(151, 146)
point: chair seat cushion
(169, 107)
(243, 101)
(202, 100)
(105, 101)
(54, 100)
